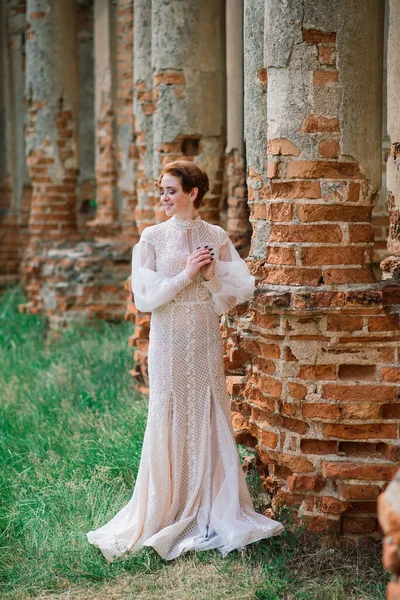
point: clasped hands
(201, 261)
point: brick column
(106, 220)
(380, 213)
(53, 100)
(391, 265)
(237, 218)
(316, 353)
(5, 169)
(15, 190)
(87, 180)
(127, 151)
(143, 107)
(188, 80)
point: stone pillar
(5, 177)
(316, 352)
(15, 189)
(380, 213)
(87, 180)
(143, 108)
(53, 100)
(189, 96)
(127, 151)
(391, 265)
(237, 222)
(106, 221)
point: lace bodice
(159, 260)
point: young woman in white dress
(190, 492)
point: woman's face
(174, 200)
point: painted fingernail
(211, 258)
(198, 247)
(205, 246)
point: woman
(190, 492)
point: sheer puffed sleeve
(150, 289)
(232, 283)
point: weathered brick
(291, 276)
(267, 438)
(296, 464)
(361, 525)
(270, 350)
(308, 169)
(293, 189)
(358, 492)
(279, 211)
(327, 55)
(359, 392)
(352, 275)
(329, 148)
(391, 374)
(320, 410)
(384, 323)
(281, 256)
(361, 411)
(344, 323)
(357, 372)
(306, 233)
(169, 77)
(317, 372)
(304, 483)
(297, 390)
(358, 470)
(309, 213)
(316, 36)
(315, 123)
(325, 255)
(282, 146)
(318, 446)
(361, 432)
(325, 78)
(333, 506)
(271, 386)
(391, 411)
(361, 233)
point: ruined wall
(315, 354)
(71, 272)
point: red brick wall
(313, 360)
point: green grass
(71, 429)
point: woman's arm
(232, 283)
(150, 289)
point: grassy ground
(71, 428)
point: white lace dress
(190, 492)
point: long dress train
(190, 492)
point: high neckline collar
(180, 223)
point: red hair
(190, 175)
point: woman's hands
(201, 260)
